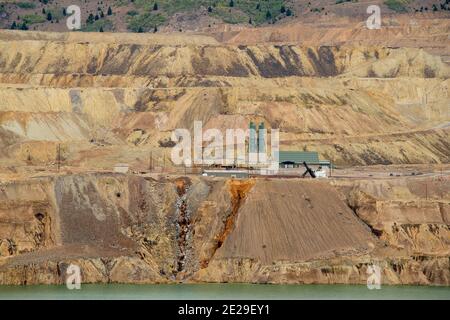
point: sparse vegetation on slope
(33, 18)
(99, 26)
(397, 5)
(149, 14)
(144, 15)
(145, 22)
(198, 15)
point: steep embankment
(43, 58)
(115, 227)
(105, 97)
(131, 229)
(411, 215)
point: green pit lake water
(222, 291)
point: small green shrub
(33, 18)
(25, 5)
(397, 5)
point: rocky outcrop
(407, 271)
(51, 61)
(419, 226)
(131, 229)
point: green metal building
(253, 140)
(295, 159)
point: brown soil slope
(268, 61)
(289, 220)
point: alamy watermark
(73, 279)
(74, 20)
(374, 21)
(374, 278)
(231, 151)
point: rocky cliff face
(130, 229)
(116, 227)
(206, 60)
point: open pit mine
(86, 176)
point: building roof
(298, 157)
(225, 171)
(121, 165)
(237, 173)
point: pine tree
(268, 15)
(101, 29)
(109, 11)
(90, 19)
(49, 16)
(13, 25)
(283, 9)
(288, 12)
(210, 9)
(24, 26)
(231, 4)
(155, 6)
